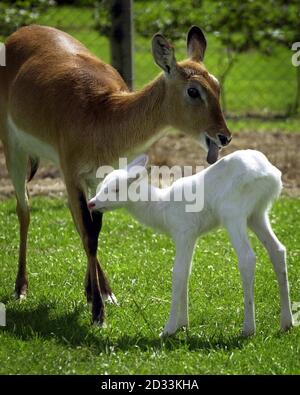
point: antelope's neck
(136, 117)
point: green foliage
(254, 24)
(240, 25)
(14, 14)
(173, 18)
(50, 332)
(248, 24)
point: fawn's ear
(141, 160)
(196, 44)
(163, 53)
(137, 168)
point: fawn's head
(114, 191)
(192, 93)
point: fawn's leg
(181, 271)
(261, 226)
(246, 260)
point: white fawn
(238, 191)
(58, 101)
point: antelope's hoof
(20, 296)
(100, 324)
(110, 298)
(21, 288)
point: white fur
(29, 143)
(238, 191)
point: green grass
(50, 332)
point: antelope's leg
(17, 163)
(104, 284)
(89, 227)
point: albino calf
(238, 191)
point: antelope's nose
(224, 140)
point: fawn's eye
(193, 93)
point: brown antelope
(60, 102)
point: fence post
(121, 40)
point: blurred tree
(14, 14)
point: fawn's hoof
(286, 325)
(165, 335)
(247, 332)
(168, 332)
(171, 330)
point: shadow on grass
(191, 343)
(42, 322)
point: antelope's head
(192, 94)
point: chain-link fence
(253, 83)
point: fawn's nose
(224, 140)
(91, 205)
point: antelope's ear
(196, 44)
(163, 53)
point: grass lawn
(50, 332)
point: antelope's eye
(193, 93)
